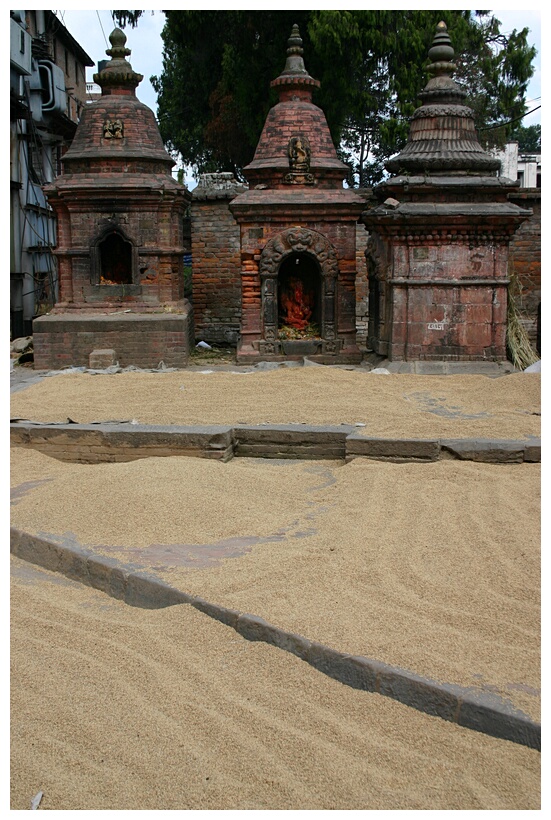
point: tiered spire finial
(118, 72)
(441, 52)
(443, 138)
(295, 74)
(294, 63)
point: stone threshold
(126, 441)
(467, 707)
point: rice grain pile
(429, 567)
(391, 406)
(115, 708)
(434, 568)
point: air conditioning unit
(20, 48)
(52, 83)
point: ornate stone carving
(113, 129)
(290, 241)
(459, 111)
(298, 240)
(299, 153)
(332, 346)
(268, 348)
(377, 262)
(269, 305)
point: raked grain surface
(115, 708)
(388, 405)
(432, 568)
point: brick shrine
(120, 236)
(438, 249)
(297, 233)
(432, 284)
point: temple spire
(118, 76)
(443, 138)
(441, 52)
(294, 77)
(294, 63)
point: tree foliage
(213, 93)
(528, 138)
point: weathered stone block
(486, 450)
(101, 359)
(216, 611)
(532, 451)
(394, 449)
(495, 721)
(417, 692)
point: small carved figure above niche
(299, 153)
(113, 129)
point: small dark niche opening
(299, 298)
(374, 317)
(115, 261)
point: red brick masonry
(143, 340)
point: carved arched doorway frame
(298, 241)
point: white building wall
(522, 167)
(529, 166)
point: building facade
(47, 95)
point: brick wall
(525, 260)
(216, 261)
(143, 341)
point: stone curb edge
(103, 441)
(475, 710)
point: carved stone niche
(313, 252)
(113, 259)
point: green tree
(528, 137)
(496, 69)
(213, 93)
(384, 54)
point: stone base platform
(296, 351)
(140, 339)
